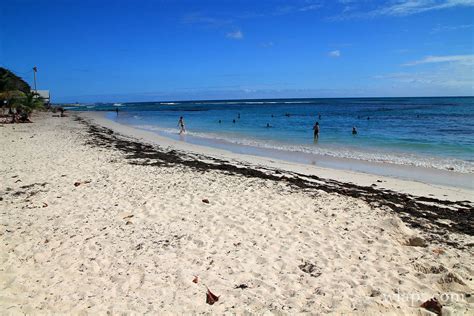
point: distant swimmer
(268, 125)
(316, 130)
(182, 129)
(354, 131)
(238, 116)
(220, 121)
(368, 117)
(287, 114)
(272, 115)
(233, 121)
(319, 116)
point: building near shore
(45, 95)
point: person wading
(182, 129)
(316, 131)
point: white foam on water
(451, 164)
(297, 102)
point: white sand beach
(96, 222)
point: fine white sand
(131, 238)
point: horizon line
(242, 99)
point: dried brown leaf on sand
(433, 306)
(210, 297)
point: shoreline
(96, 221)
(382, 168)
(465, 191)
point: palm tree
(24, 103)
(16, 93)
(11, 98)
(32, 101)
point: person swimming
(316, 130)
(182, 129)
(354, 130)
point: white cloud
(237, 35)
(310, 7)
(447, 77)
(463, 59)
(401, 8)
(450, 75)
(442, 28)
(409, 7)
(334, 53)
(289, 9)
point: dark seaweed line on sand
(424, 213)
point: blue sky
(118, 51)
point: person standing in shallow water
(354, 130)
(182, 129)
(316, 131)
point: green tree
(11, 98)
(11, 82)
(24, 103)
(15, 93)
(30, 102)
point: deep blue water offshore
(429, 132)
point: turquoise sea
(429, 132)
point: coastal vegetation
(17, 97)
